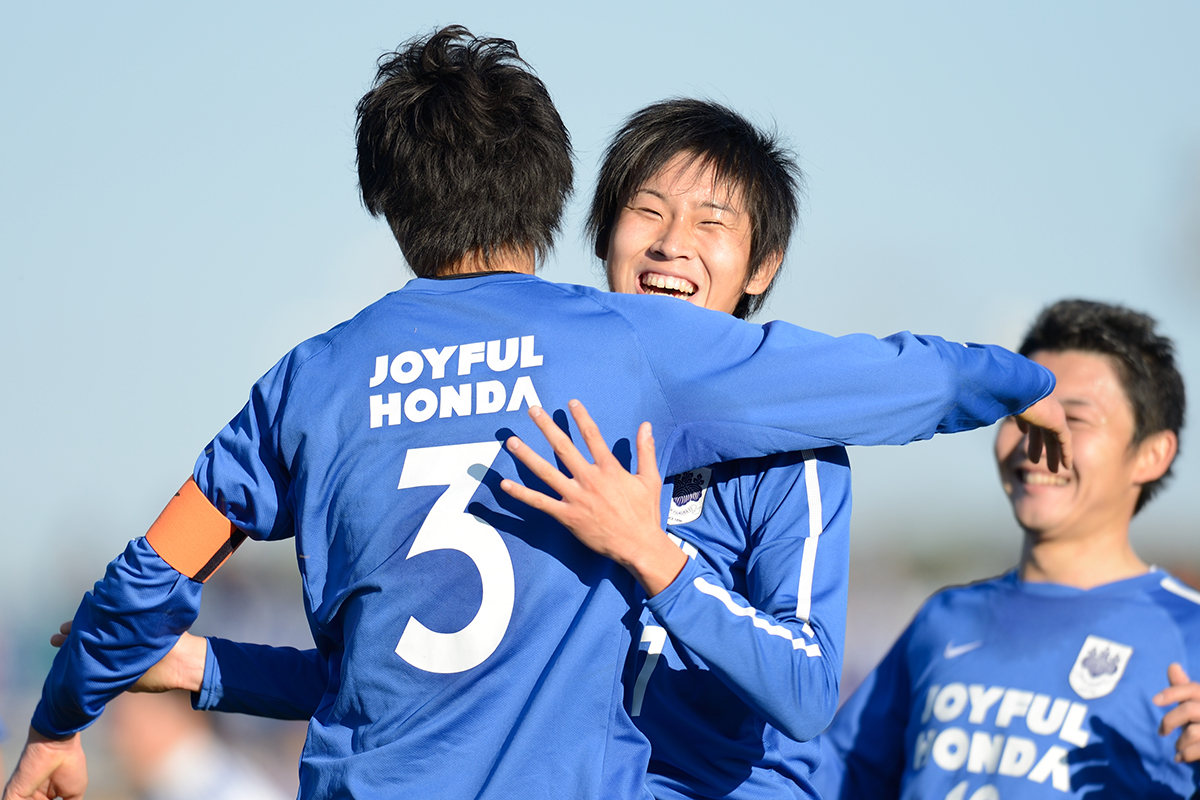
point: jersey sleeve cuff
(211, 689)
(43, 724)
(662, 602)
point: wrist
(194, 650)
(37, 737)
(657, 564)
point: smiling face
(685, 235)
(1099, 492)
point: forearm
(794, 389)
(775, 635)
(784, 670)
(264, 681)
(652, 558)
(129, 622)
(987, 383)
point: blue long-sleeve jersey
(738, 664)
(740, 657)
(453, 619)
(1007, 689)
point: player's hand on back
(181, 668)
(1186, 715)
(613, 512)
(1046, 423)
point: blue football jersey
(1006, 689)
(764, 599)
(741, 656)
(474, 647)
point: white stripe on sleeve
(726, 599)
(816, 525)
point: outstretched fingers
(647, 457)
(532, 498)
(548, 473)
(590, 431)
(559, 441)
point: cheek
(619, 269)
(623, 249)
(1101, 459)
(725, 250)
(1007, 439)
(728, 269)
(731, 264)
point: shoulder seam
(641, 347)
(1179, 590)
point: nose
(675, 240)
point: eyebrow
(719, 206)
(713, 204)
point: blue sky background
(178, 208)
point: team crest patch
(1098, 667)
(687, 497)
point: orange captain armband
(192, 535)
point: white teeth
(1042, 479)
(651, 280)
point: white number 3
(460, 467)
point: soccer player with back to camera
(474, 648)
(1051, 680)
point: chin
(1042, 529)
(1034, 516)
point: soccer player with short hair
(1047, 681)
(742, 669)
(740, 653)
(475, 649)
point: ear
(1154, 456)
(602, 247)
(766, 273)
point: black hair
(462, 151)
(1143, 359)
(742, 156)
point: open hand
(613, 512)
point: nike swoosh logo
(954, 652)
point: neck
(1086, 562)
(504, 261)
